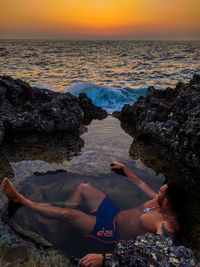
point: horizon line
(100, 39)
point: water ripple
(112, 63)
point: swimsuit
(106, 229)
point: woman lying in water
(105, 221)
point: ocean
(112, 73)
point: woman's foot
(11, 193)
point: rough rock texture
(88, 108)
(25, 109)
(151, 250)
(169, 120)
(17, 251)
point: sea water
(111, 73)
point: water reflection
(149, 157)
(54, 149)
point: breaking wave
(108, 98)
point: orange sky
(100, 18)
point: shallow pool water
(33, 169)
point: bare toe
(8, 189)
(11, 193)
(5, 180)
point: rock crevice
(171, 119)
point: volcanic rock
(150, 250)
(19, 251)
(88, 108)
(169, 120)
(25, 109)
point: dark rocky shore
(150, 250)
(168, 121)
(26, 110)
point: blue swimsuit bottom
(106, 229)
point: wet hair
(179, 199)
(177, 196)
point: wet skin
(131, 222)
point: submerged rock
(18, 251)
(169, 120)
(25, 109)
(150, 250)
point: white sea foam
(108, 98)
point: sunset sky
(100, 19)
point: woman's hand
(116, 165)
(91, 260)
